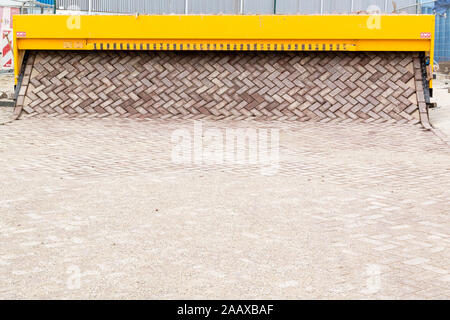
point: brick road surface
(324, 86)
(95, 208)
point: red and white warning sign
(425, 35)
(7, 36)
(7, 49)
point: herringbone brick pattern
(371, 87)
(356, 211)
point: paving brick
(260, 83)
(416, 261)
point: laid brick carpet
(320, 86)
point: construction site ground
(440, 116)
(96, 208)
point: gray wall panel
(258, 6)
(298, 6)
(363, 5)
(74, 4)
(130, 6)
(217, 7)
(333, 6)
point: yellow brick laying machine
(371, 68)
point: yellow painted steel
(223, 32)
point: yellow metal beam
(224, 32)
(224, 26)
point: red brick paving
(355, 211)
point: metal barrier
(442, 40)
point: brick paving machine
(371, 68)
